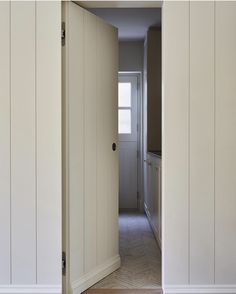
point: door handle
(114, 146)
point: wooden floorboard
(122, 291)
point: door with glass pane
(128, 140)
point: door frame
(138, 75)
(110, 4)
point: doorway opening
(112, 203)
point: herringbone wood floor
(140, 258)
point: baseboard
(96, 275)
(30, 289)
(200, 289)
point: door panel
(128, 174)
(128, 140)
(90, 58)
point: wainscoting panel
(30, 149)
(199, 78)
(5, 143)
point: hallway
(140, 256)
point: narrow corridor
(140, 256)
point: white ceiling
(132, 23)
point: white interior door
(90, 63)
(128, 140)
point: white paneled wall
(199, 107)
(201, 144)
(225, 143)
(30, 149)
(175, 157)
(23, 143)
(5, 142)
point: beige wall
(199, 182)
(30, 148)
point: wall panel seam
(214, 126)
(189, 167)
(96, 119)
(10, 65)
(67, 138)
(36, 151)
(83, 136)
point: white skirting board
(30, 289)
(96, 275)
(200, 289)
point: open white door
(90, 132)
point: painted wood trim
(200, 289)
(201, 143)
(90, 141)
(5, 145)
(23, 143)
(175, 157)
(48, 140)
(30, 289)
(225, 142)
(97, 274)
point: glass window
(124, 94)
(124, 121)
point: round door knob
(114, 146)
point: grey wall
(131, 56)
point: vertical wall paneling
(5, 116)
(225, 178)
(107, 164)
(75, 119)
(208, 233)
(23, 142)
(176, 142)
(201, 142)
(48, 140)
(30, 149)
(91, 128)
(111, 58)
(90, 139)
(102, 150)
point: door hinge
(63, 264)
(63, 33)
(138, 195)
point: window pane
(124, 121)
(124, 94)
